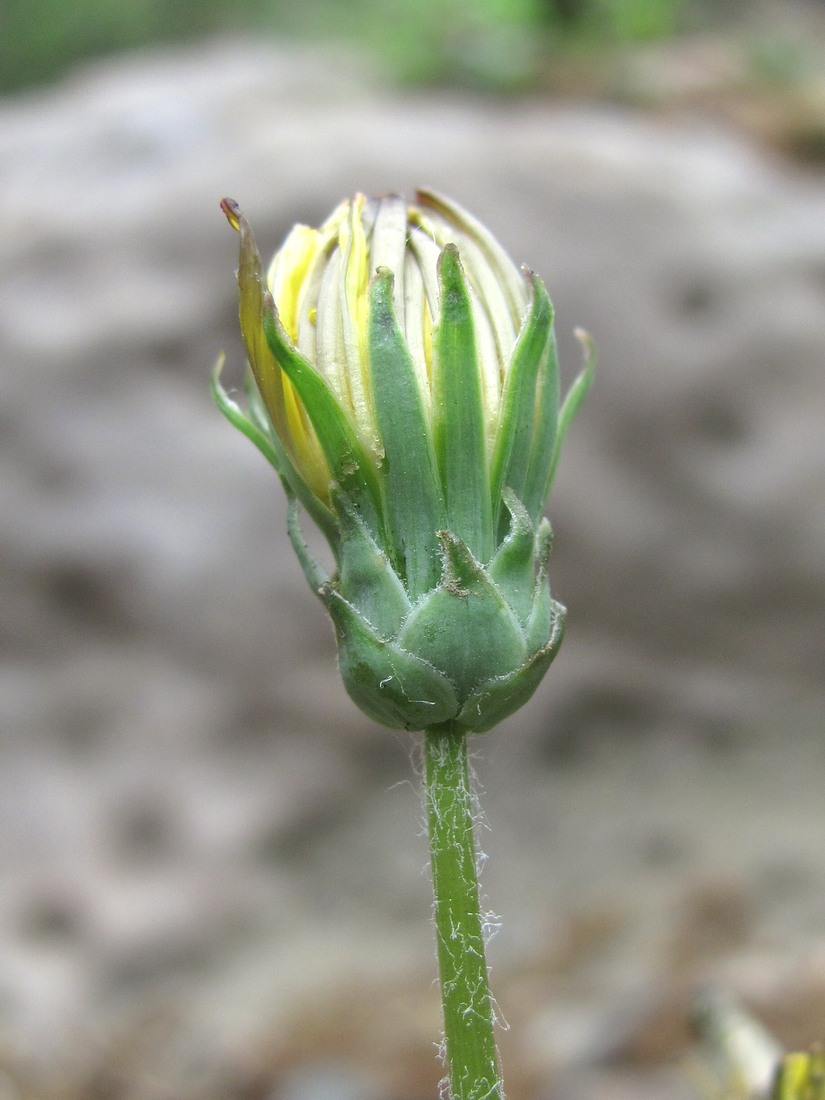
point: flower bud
(406, 390)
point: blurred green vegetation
(492, 44)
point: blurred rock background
(213, 878)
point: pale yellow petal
(287, 274)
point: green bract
(406, 390)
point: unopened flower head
(406, 390)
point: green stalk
(471, 1055)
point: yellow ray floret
(287, 275)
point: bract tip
(232, 212)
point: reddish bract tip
(232, 212)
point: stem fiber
(471, 1055)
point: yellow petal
(287, 274)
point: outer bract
(406, 389)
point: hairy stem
(471, 1055)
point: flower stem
(471, 1055)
